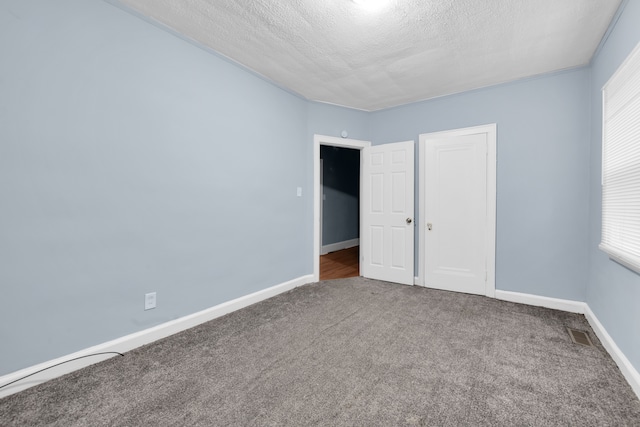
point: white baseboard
(630, 373)
(129, 342)
(339, 246)
(540, 301)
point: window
(621, 164)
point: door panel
(387, 208)
(456, 208)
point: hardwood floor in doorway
(340, 264)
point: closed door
(456, 232)
(387, 209)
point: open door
(387, 209)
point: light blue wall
(132, 161)
(613, 292)
(341, 192)
(543, 172)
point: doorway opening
(339, 212)
(335, 241)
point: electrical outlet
(299, 191)
(150, 301)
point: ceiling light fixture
(372, 5)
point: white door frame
(321, 199)
(319, 140)
(491, 131)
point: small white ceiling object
(376, 54)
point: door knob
(429, 226)
(409, 220)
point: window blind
(621, 164)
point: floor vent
(580, 337)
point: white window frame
(621, 164)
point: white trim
(491, 131)
(321, 199)
(422, 216)
(630, 373)
(338, 246)
(319, 140)
(492, 189)
(129, 342)
(540, 301)
(416, 280)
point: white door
(387, 208)
(457, 231)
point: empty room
(174, 176)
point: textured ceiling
(340, 52)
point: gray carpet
(350, 352)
